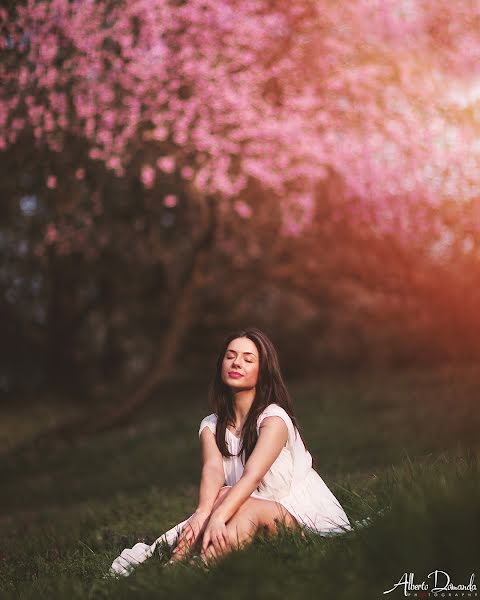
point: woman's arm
(212, 480)
(272, 437)
(213, 477)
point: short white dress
(291, 481)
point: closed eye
(247, 360)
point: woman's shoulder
(275, 410)
(209, 421)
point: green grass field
(401, 448)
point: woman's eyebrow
(230, 350)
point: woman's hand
(190, 532)
(215, 538)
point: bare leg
(252, 515)
(242, 527)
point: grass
(402, 443)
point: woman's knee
(266, 513)
(241, 527)
(247, 513)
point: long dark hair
(270, 388)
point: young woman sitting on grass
(256, 469)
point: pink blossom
(242, 208)
(368, 90)
(114, 162)
(170, 201)
(51, 235)
(166, 164)
(187, 172)
(147, 176)
(51, 182)
(160, 133)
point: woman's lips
(235, 374)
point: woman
(252, 444)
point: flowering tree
(223, 95)
(275, 91)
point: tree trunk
(183, 317)
(184, 305)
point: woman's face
(241, 357)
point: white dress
(291, 481)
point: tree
(223, 96)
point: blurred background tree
(172, 170)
